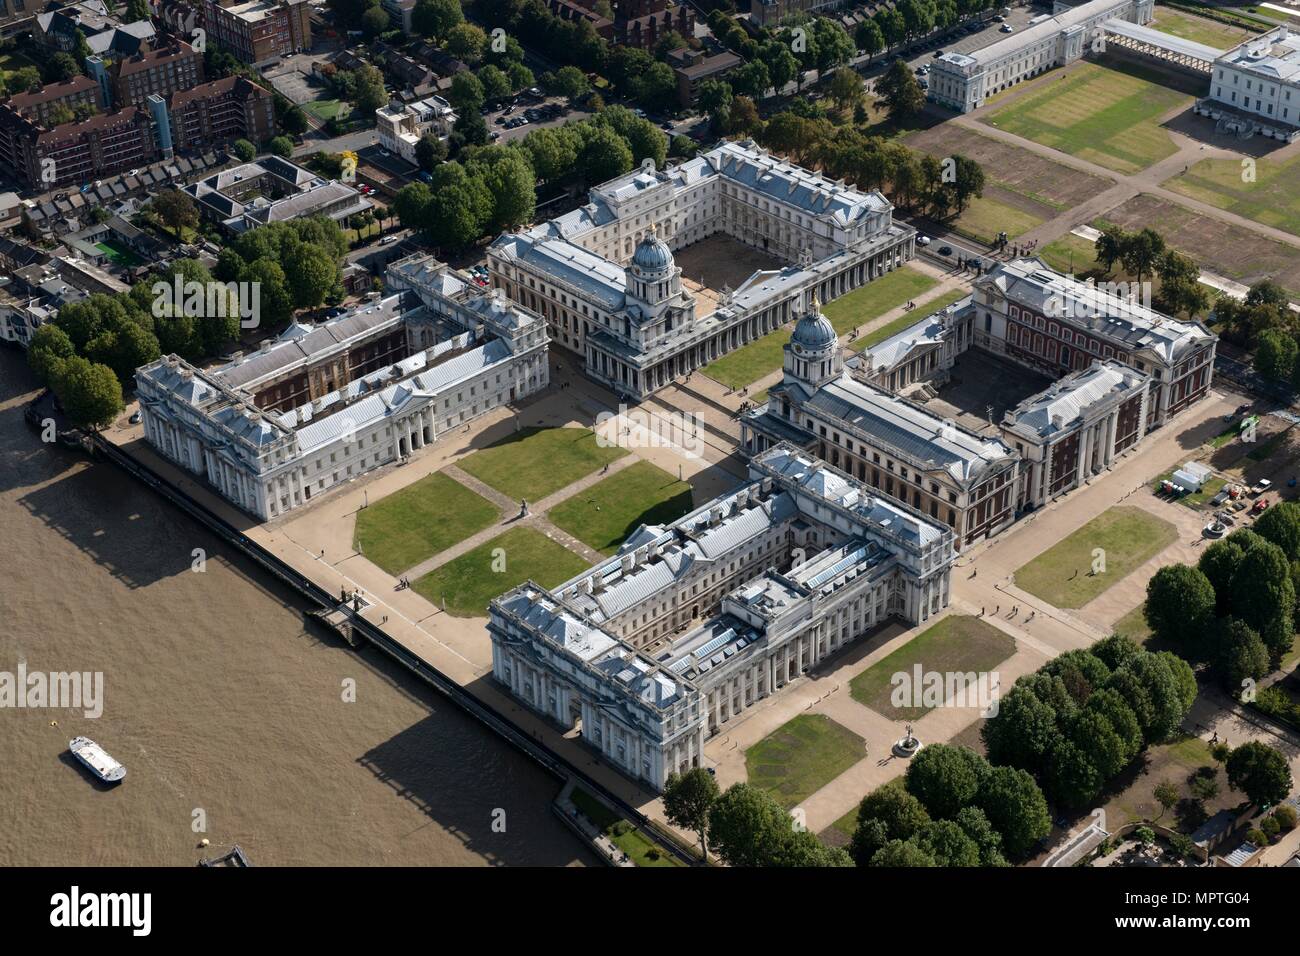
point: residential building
(75, 95)
(402, 125)
(79, 151)
(272, 189)
(259, 32)
(129, 80)
(213, 113)
(693, 67)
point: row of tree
(952, 808)
(1083, 717)
(1236, 609)
(1144, 253)
(494, 188)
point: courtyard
(535, 462)
(606, 513)
(719, 262)
(983, 388)
(799, 758)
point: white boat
(96, 759)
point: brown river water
(226, 709)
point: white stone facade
(657, 649)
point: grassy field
(923, 309)
(1273, 198)
(802, 756)
(985, 217)
(325, 110)
(622, 834)
(1134, 624)
(1105, 115)
(1062, 575)
(12, 62)
(958, 643)
(535, 462)
(1070, 253)
(118, 255)
(419, 521)
(607, 512)
(1132, 799)
(466, 584)
(1197, 29)
(761, 357)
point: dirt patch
(1221, 247)
(722, 261)
(1052, 186)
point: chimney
(628, 562)
(715, 515)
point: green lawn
(1101, 114)
(802, 756)
(470, 581)
(622, 834)
(1272, 198)
(985, 217)
(1197, 29)
(759, 358)
(419, 521)
(610, 510)
(1070, 254)
(119, 255)
(1134, 625)
(535, 462)
(928, 307)
(325, 110)
(959, 643)
(1062, 575)
(12, 61)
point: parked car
(945, 250)
(922, 240)
(1007, 28)
(387, 239)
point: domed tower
(812, 356)
(653, 276)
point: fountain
(907, 745)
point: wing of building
(605, 280)
(656, 649)
(1120, 368)
(319, 406)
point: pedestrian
(975, 572)
(998, 609)
(982, 610)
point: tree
(412, 204)
(902, 853)
(1280, 524)
(845, 88)
(293, 121)
(137, 10)
(124, 349)
(945, 778)
(510, 181)
(744, 116)
(244, 150)
(311, 274)
(435, 18)
(869, 38)
(1275, 355)
(60, 68)
(745, 823)
(1260, 772)
(466, 41)
(429, 152)
(1166, 794)
(1142, 251)
(49, 345)
(570, 82)
(466, 92)
(281, 146)
(1015, 807)
(1219, 563)
(975, 824)
(1071, 777)
(752, 79)
(604, 155)
(496, 85)
(375, 21)
(1180, 605)
(688, 798)
(176, 210)
(369, 92)
(1109, 247)
(460, 208)
(947, 843)
(274, 301)
(1024, 732)
(900, 92)
(90, 393)
(1240, 655)
(1264, 597)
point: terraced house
(653, 651)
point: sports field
(1102, 114)
(1272, 197)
